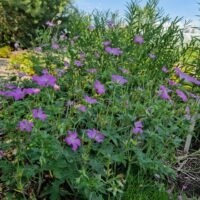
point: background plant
(20, 19)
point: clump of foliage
(101, 107)
(22, 62)
(5, 52)
(20, 18)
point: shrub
(5, 52)
(81, 128)
(21, 61)
(20, 18)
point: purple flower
(137, 130)
(45, 80)
(78, 63)
(20, 93)
(138, 127)
(163, 93)
(56, 87)
(152, 56)
(138, 124)
(99, 87)
(50, 24)
(38, 49)
(187, 110)
(193, 96)
(96, 135)
(16, 45)
(92, 70)
(73, 140)
(2, 93)
(139, 39)
(17, 94)
(26, 125)
(31, 90)
(172, 83)
(186, 77)
(106, 43)
(165, 70)
(113, 51)
(110, 24)
(1, 154)
(82, 56)
(125, 71)
(55, 46)
(91, 27)
(66, 64)
(119, 79)
(181, 95)
(10, 86)
(45, 71)
(39, 114)
(90, 100)
(82, 108)
(59, 72)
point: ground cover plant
(106, 102)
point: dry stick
(191, 129)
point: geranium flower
(39, 114)
(172, 83)
(92, 70)
(107, 43)
(82, 108)
(181, 95)
(90, 100)
(38, 49)
(125, 71)
(139, 39)
(110, 24)
(186, 77)
(17, 94)
(1, 154)
(66, 64)
(20, 93)
(45, 80)
(96, 135)
(73, 140)
(119, 79)
(152, 56)
(82, 56)
(187, 110)
(50, 24)
(99, 87)
(26, 125)
(193, 96)
(163, 93)
(113, 51)
(91, 27)
(55, 46)
(31, 90)
(164, 69)
(138, 127)
(78, 63)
